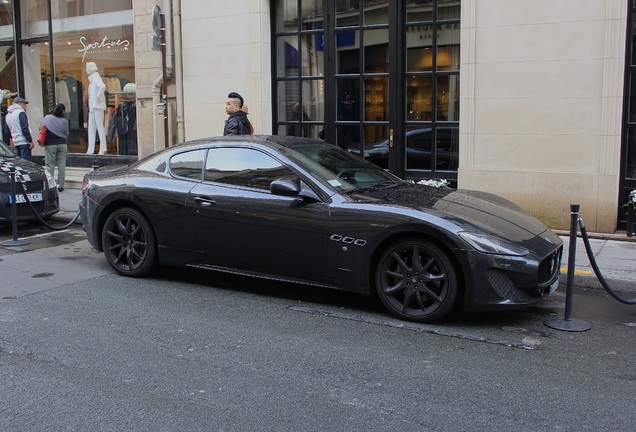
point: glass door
(397, 84)
(431, 35)
(628, 151)
(385, 74)
(362, 78)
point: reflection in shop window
(112, 50)
(448, 98)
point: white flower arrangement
(631, 200)
(441, 183)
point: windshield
(5, 150)
(340, 169)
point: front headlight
(50, 180)
(492, 245)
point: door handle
(390, 137)
(205, 202)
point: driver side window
(245, 167)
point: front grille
(550, 267)
(30, 186)
(24, 211)
(501, 283)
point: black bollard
(14, 214)
(567, 323)
(630, 220)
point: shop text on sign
(105, 44)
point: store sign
(105, 45)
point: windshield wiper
(375, 186)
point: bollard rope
(42, 221)
(600, 277)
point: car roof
(271, 141)
(276, 143)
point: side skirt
(259, 275)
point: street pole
(164, 87)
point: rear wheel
(416, 281)
(129, 242)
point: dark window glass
(376, 55)
(376, 12)
(348, 52)
(245, 167)
(447, 148)
(418, 148)
(419, 98)
(347, 13)
(632, 98)
(448, 98)
(311, 14)
(448, 9)
(188, 164)
(300, 67)
(376, 93)
(630, 154)
(428, 147)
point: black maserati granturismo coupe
(308, 212)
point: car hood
(489, 212)
(34, 171)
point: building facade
(529, 99)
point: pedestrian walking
(55, 147)
(246, 110)
(237, 122)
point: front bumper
(513, 281)
(46, 208)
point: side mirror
(284, 187)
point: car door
(241, 224)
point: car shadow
(355, 303)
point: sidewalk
(615, 254)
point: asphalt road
(195, 351)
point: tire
(416, 281)
(129, 243)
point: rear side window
(188, 164)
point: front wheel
(416, 281)
(129, 243)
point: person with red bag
(55, 147)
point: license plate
(33, 197)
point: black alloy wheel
(416, 281)
(129, 242)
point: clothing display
(122, 127)
(70, 91)
(96, 107)
(105, 115)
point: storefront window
(83, 31)
(112, 50)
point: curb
(592, 282)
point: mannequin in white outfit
(96, 108)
